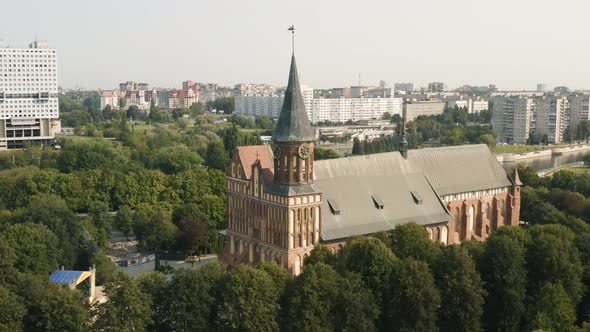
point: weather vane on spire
(292, 29)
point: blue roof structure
(65, 277)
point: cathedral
(281, 203)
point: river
(546, 162)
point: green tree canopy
(412, 299)
(249, 301)
(461, 291)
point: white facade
(417, 108)
(29, 108)
(355, 109)
(110, 98)
(551, 118)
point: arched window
(297, 265)
(444, 234)
(436, 236)
(457, 217)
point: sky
(513, 44)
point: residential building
(282, 203)
(355, 109)
(551, 118)
(472, 105)
(541, 87)
(578, 105)
(29, 108)
(437, 87)
(253, 89)
(132, 86)
(188, 84)
(426, 107)
(109, 97)
(141, 98)
(512, 119)
(256, 105)
(406, 87)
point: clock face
(277, 152)
(303, 151)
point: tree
(263, 122)
(323, 153)
(372, 260)
(12, 311)
(191, 235)
(249, 301)
(194, 305)
(461, 291)
(154, 229)
(357, 147)
(36, 247)
(412, 299)
(155, 286)
(553, 310)
(61, 310)
(176, 159)
(230, 140)
(124, 219)
(553, 257)
(277, 273)
(320, 254)
(504, 273)
(488, 139)
(128, 308)
(216, 156)
(322, 300)
(196, 109)
(411, 241)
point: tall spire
(293, 124)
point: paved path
(150, 266)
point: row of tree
(520, 279)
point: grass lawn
(502, 149)
(580, 170)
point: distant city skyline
(457, 42)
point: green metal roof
(293, 124)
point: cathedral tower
(293, 137)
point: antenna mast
(292, 29)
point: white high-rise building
(29, 108)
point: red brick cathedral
(281, 203)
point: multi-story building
(132, 86)
(541, 87)
(282, 203)
(512, 119)
(253, 89)
(29, 109)
(355, 109)
(472, 105)
(256, 105)
(426, 107)
(109, 97)
(437, 87)
(406, 87)
(551, 118)
(579, 105)
(141, 98)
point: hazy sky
(511, 43)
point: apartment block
(29, 108)
(512, 119)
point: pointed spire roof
(293, 124)
(516, 177)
